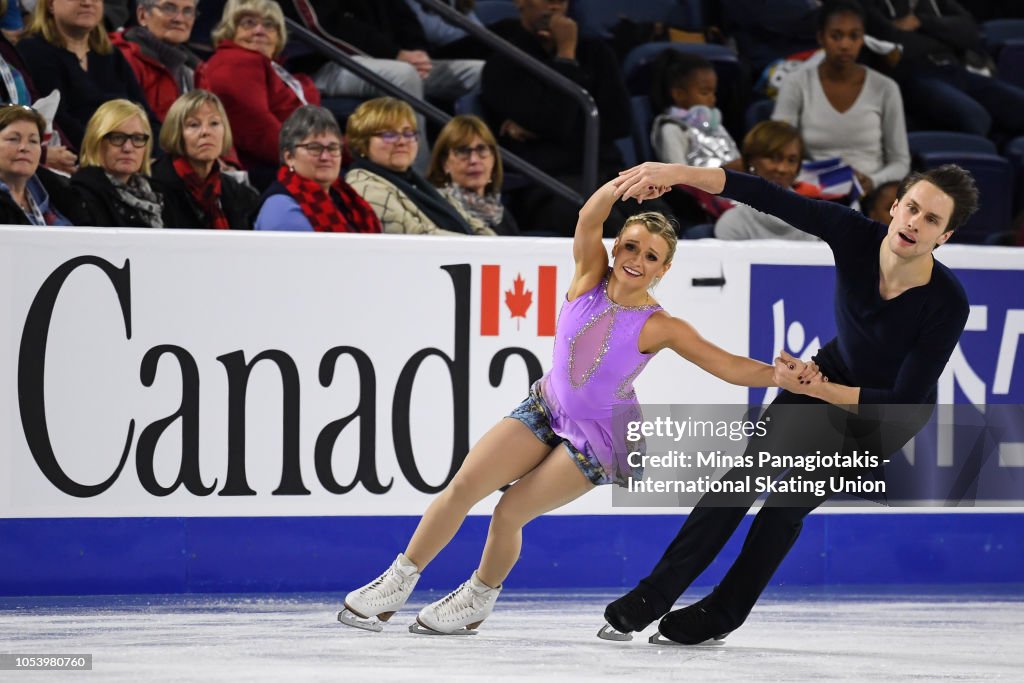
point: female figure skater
(560, 442)
(899, 315)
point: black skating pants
(799, 425)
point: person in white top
(845, 109)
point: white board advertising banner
(186, 373)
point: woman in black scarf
(382, 135)
(114, 176)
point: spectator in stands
(448, 41)
(544, 124)
(396, 48)
(772, 150)
(66, 49)
(877, 203)
(466, 168)
(845, 109)
(11, 23)
(309, 194)
(19, 89)
(940, 39)
(114, 178)
(767, 31)
(157, 52)
(383, 137)
(29, 195)
(257, 92)
(688, 127)
(195, 135)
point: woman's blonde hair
(109, 116)
(43, 23)
(172, 132)
(373, 116)
(460, 131)
(236, 9)
(658, 225)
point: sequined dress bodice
(594, 364)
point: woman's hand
(796, 376)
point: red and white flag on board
(514, 299)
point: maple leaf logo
(518, 299)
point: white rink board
(232, 296)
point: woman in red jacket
(257, 92)
(156, 50)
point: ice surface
(534, 636)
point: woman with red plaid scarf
(309, 193)
(197, 192)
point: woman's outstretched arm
(588, 250)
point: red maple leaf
(518, 299)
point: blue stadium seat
(493, 11)
(758, 111)
(997, 31)
(1015, 153)
(641, 119)
(597, 17)
(636, 68)
(1010, 64)
(698, 232)
(941, 140)
(992, 173)
(689, 15)
(470, 103)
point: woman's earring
(750, 169)
(291, 169)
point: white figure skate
(368, 607)
(459, 612)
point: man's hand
(511, 129)
(61, 159)
(865, 181)
(908, 23)
(565, 34)
(419, 59)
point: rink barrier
(221, 411)
(571, 552)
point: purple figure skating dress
(595, 361)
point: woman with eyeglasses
(67, 49)
(30, 194)
(113, 178)
(156, 48)
(258, 93)
(466, 168)
(382, 135)
(195, 136)
(309, 193)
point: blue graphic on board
(971, 454)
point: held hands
(419, 59)
(649, 180)
(795, 376)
